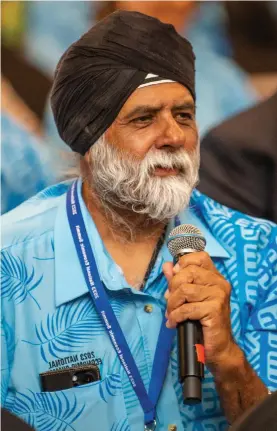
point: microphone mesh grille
(184, 240)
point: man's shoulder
(219, 217)
(34, 217)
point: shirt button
(148, 308)
(172, 427)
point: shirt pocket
(92, 407)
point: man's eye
(143, 119)
(181, 116)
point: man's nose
(171, 134)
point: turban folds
(97, 74)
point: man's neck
(131, 249)
(120, 225)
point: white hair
(121, 181)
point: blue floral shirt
(49, 321)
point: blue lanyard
(99, 296)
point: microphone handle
(191, 358)
(191, 369)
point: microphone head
(185, 238)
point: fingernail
(176, 268)
(169, 324)
(166, 295)
(166, 314)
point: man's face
(158, 116)
(148, 160)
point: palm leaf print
(110, 387)
(16, 280)
(18, 240)
(57, 412)
(7, 352)
(5, 378)
(121, 426)
(8, 403)
(68, 329)
(48, 411)
(50, 192)
(119, 301)
(8, 332)
(25, 407)
(137, 350)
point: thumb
(168, 270)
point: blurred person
(128, 110)
(17, 109)
(239, 161)
(52, 27)
(28, 160)
(253, 29)
(26, 165)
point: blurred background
(236, 67)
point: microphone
(182, 240)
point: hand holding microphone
(198, 303)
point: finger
(168, 273)
(168, 270)
(194, 274)
(195, 311)
(193, 293)
(201, 259)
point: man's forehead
(167, 94)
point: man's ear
(86, 157)
(107, 135)
(84, 165)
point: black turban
(97, 74)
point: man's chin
(165, 213)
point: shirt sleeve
(261, 331)
(7, 355)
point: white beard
(122, 181)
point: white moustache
(161, 159)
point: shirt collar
(69, 279)
(213, 247)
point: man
(87, 277)
(239, 161)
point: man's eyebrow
(150, 109)
(143, 110)
(190, 106)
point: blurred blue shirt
(26, 167)
(51, 27)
